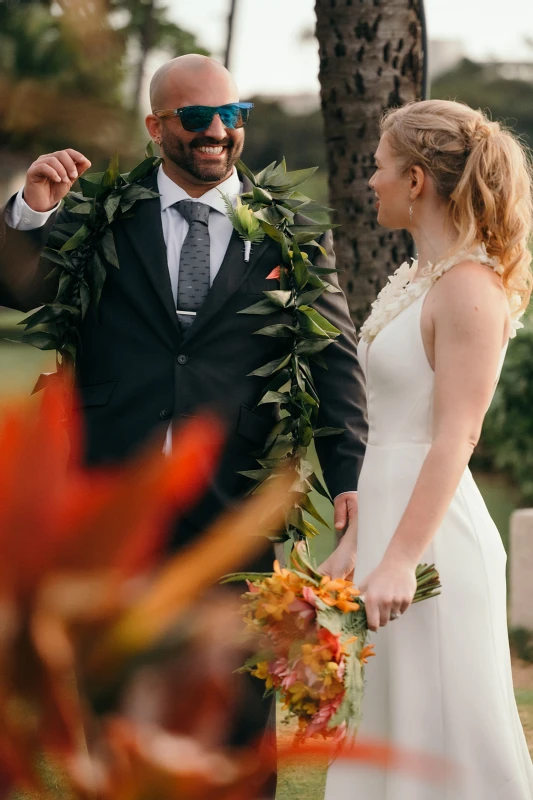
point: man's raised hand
(50, 178)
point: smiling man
(197, 146)
(169, 339)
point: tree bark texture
(371, 58)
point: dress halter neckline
(401, 289)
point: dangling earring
(410, 213)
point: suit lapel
(145, 231)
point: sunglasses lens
(197, 118)
(231, 116)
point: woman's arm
(469, 313)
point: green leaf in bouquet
(270, 368)
(301, 561)
(234, 577)
(317, 485)
(307, 505)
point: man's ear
(417, 178)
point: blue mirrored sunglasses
(199, 118)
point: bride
(432, 350)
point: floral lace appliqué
(402, 289)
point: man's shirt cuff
(23, 218)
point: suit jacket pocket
(254, 426)
(97, 394)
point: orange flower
(67, 536)
(338, 593)
(366, 653)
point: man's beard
(185, 156)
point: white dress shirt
(175, 227)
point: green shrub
(507, 441)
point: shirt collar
(172, 193)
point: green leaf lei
(274, 207)
(82, 252)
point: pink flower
(309, 596)
(321, 719)
(303, 609)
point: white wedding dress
(441, 682)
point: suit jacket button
(165, 413)
(182, 358)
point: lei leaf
(81, 251)
(274, 204)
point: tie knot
(193, 212)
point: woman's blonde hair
(482, 171)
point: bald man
(170, 339)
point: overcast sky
(268, 56)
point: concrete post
(521, 569)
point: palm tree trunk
(229, 34)
(371, 58)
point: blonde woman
(432, 350)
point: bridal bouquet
(311, 636)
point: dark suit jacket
(137, 371)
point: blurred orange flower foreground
(89, 602)
(85, 591)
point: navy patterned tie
(194, 270)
